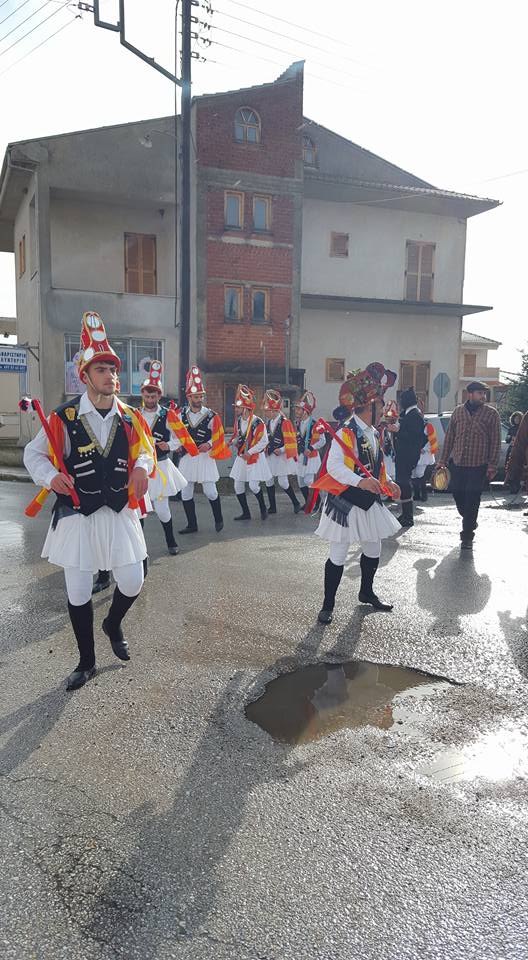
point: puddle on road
(312, 702)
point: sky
(437, 90)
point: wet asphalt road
(145, 817)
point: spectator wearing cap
(472, 448)
(409, 438)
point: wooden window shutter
(411, 273)
(419, 271)
(426, 271)
(406, 376)
(422, 378)
(140, 263)
(149, 282)
(339, 245)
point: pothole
(317, 700)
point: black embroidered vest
(161, 433)
(201, 432)
(101, 476)
(276, 439)
(244, 443)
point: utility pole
(183, 260)
(185, 239)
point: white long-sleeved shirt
(261, 444)
(336, 458)
(150, 416)
(36, 459)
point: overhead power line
(298, 26)
(36, 27)
(41, 44)
(22, 22)
(296, 40)
(12, 14)
(288, 53)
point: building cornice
(321, 301)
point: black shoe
(119, 644)
(79, 677)
(466, 545)
(374, 601)
(405, 521)
(102, 582)
(174, 550)
(325, 616)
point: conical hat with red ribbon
(363, 386)
(194, 385)
(307, 403)
(153, 381)
(94, 342)
(245, 397)
(272, 400)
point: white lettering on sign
(12, 360)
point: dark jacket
(409, 440)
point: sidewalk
(18, 474)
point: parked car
(441, 423)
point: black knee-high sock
(368, 567)
(82, 620)
(332, 579)
(120, 606)
(291, 494)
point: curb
(16, 477)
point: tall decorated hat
(194, 385)
(307, 402)
(272, 401)
(94, 342)
(245, 397)
(153, 381)
(363, 386)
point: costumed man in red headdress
(281, 452)
(167, 480)
(108, 454)
(207, 431)
(251, 439)
(353, 511)
(309, 442)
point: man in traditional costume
(353, 511)
(108, 455)
(207, 431)
(281, 451)
(409, 439)
(169, 433)
(250, 438)
(309, 442)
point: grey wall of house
(340, 158)
(88, 245)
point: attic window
(309, 152)
(247, 126)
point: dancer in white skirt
(281, 452)
(353, 512)
(251, 439)
(207, 431)
(167, 480)
(108, 455)
(309, 442)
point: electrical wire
(42, 22)
(12, 14)
(21, 24)
(277, 63)
(41, 44)
(298, 26)
(284, 36)
(287, 53)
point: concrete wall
(87, 244)
(360, 338)
(375, 266)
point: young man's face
(103, 377)
(150, 398)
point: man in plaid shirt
(472, 448)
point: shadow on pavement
(515, 630)
(450, 590)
